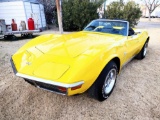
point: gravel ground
(136, 95)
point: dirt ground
(135, 97)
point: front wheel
(105, 83)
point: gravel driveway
(136, 95)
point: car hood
(73, 45)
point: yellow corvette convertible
(89, 60)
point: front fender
(93, 70)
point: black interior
(131, 32)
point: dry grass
(136, 95)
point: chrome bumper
(46, 84)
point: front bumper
(48, 85)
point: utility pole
(59, 15)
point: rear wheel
(105, 83)
(143, 52)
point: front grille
(42, 85)
(45, 86)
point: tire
(14, 37)
(105, 83)
(30, 35)
(143, 52)
(5, 37)
(23, 35)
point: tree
(122, 1)
(129, 11)
(50, 11)
(151, 6)
(78, 13)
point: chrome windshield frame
(127, 23)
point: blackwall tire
(143, 52)
(105, 83)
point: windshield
(107, 26)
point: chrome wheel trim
(109, 82)
(145, 49)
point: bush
(129, 11)
(78, 13)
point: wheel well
(147, 39)
(117, 61)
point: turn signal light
(76, 87)
(63, 89)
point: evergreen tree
(78, 13)
(129, 11)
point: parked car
(89, 60)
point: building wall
(28, 9)
(21, 11)
(12, 10)
(36, 11)
(43, 15)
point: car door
(131, 44)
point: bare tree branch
(147, 5)
(151, 5)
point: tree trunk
(149, 16)
(59, 15)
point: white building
(21, 10)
